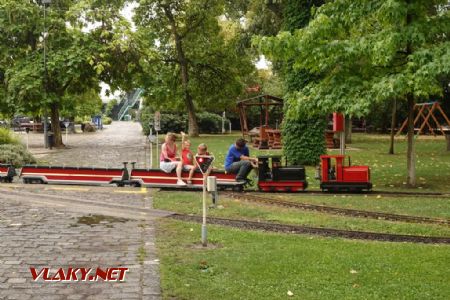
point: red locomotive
(335, 176)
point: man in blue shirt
(238, 160)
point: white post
(157, 146)
(204, 231)
(223, 122)
(28, 138)
(151, 146)
(151, 155)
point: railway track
(374, 193)
(382, 193)
(338, 210)
(327, 232)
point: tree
(369, 51)
(76, 60)
(186, 56)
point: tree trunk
(393, 123)
(410, 154)
(348, 130)
(56, 129)
(182, 61)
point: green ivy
(303, 140)
(303, 137)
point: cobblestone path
(80, 227)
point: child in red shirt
(187, 157)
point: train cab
(273, 177)
(335, 176)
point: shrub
(211, 123)
(169, 122)
(106, 120)
(7, 137)
(304, 140)
(207, 122)
(16, 155)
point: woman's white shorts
(168, 166)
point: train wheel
(238, 188)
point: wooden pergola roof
(264, 102)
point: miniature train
(272, 176)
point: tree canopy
(190, 55)
(366, 52)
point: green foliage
(82, 105)
(110, 106)
(175, 122)
(197, 61)
(106, 120)
(360, 52)
(7, 137)
(16, 155)
(169, 122)
(211, 123)
(303, 140)
(76, 59)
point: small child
(187, 157)
(202, 149)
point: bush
(304, 140)
(169, 122)
(106, 120)
(16, 155)
(211, 123)
(7, 137)
(207, 122)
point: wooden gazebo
(426, 115)
(264, 136)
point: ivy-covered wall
(303, 136)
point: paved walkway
(116, 143)
(80, 227)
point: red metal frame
(157, 177)
(69, 175)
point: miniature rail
(327, 232)
(340, 211)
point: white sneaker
(181, 182)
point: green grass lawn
(189, 203)
(257, 265)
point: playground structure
(425, 111)
(264, 136)
(128, 102)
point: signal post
(204, 163)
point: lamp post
(45, 2)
